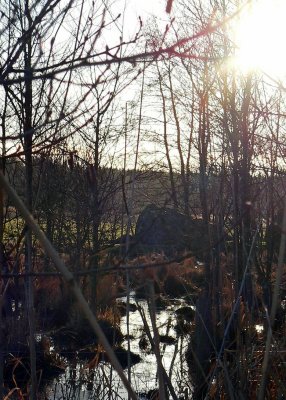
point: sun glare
(260, 36)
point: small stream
(102, 382)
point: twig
(148, 333)
(69, 278)
(265, 364)
(151, 306)
(236, 304)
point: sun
(260, 38)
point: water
(81, 383)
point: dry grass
(108, 289)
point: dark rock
(122, 307)
(144, 343)
(165, 229)
(160, 229)
(166, 339)
(129, 337)
(90, 353)
(186, 313)
(69, 339)
(183, 328)
(17, 362)
(122, 356)
(161, 302)
(176, 287)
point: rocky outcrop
(167, 230)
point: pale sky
(145, 9)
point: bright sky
(260, 32)
(260, 37)
(145, 9)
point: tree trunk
(2, 259)
(166, 144)
(28, 143)
(180, 149)
(95, 233)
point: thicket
(196, 135)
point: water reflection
(81, 383)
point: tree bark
(166, 144)
(28, 144)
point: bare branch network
(182, 48)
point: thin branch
(69, 278)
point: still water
(102, 382)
